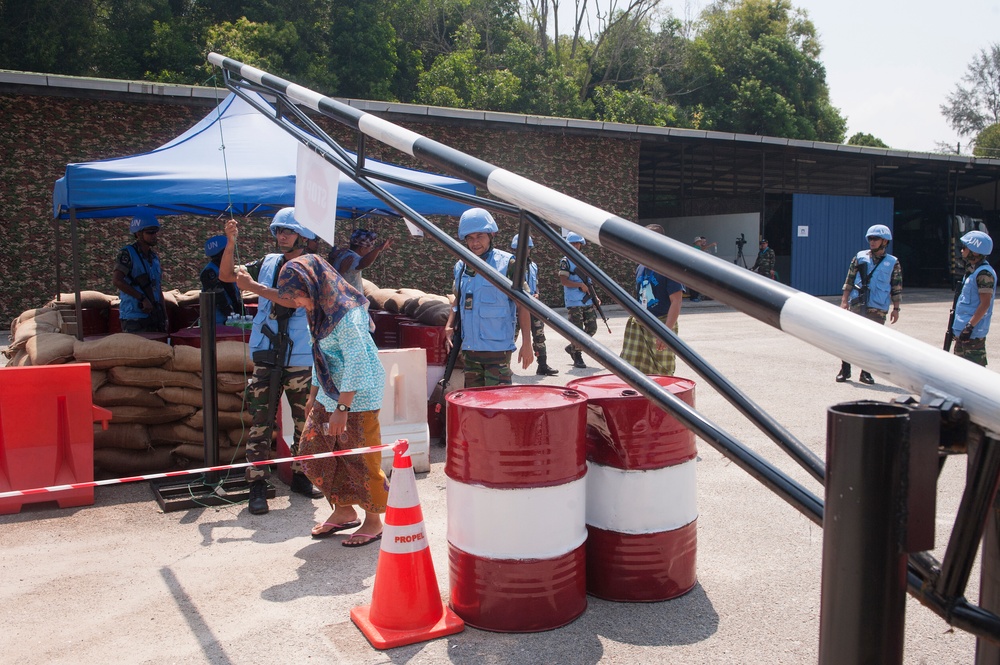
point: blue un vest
(968, 302)
(492, 322)
(574, 297)
(129, 308)
(533, 278)
(298, 324)
(879, 280)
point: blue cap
(476, 220)
(575, 237)
(143, 221)
(513, 241)
(215, 244)
(978, 242)
(285, 219)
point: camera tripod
(740, 259)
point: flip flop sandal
(368, 540)
(335, 528)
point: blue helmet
(978, 242)
(513, 241)
(143, 221)
(879, 231)
(476, 220)
(575, 237)
(285, 219)
(215, 244)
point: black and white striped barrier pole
(894, 356)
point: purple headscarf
(311, 276)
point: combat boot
(258, 497)
(845, 372)
(543, 367)
(865, 377)
(301, 485)
(578, 361)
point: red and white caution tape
(188, 472)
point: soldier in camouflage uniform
(537, 327)
(576, 296)
(974, 307)
(874, 278)
(764, 265)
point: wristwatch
(342, 407)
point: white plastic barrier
(404, 405)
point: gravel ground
(120, 581)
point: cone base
(387, 638)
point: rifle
(437, 397)
(158, 315)
(949, 336)
(591, 294)
(275, 358)
(862, 298)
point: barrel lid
(605, 386)
(514, 398)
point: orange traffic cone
(406, 604)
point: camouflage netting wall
(41, 134)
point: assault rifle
(949, 336)
(275, 358)
(862, 298)
(591, 294)
(158, 315)
(437, 397)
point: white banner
(316, 183)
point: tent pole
(58, 248)
(75, 239)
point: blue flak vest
(532, 278)
(968, 302)
(574, 297)
(490, 323)
(298, 324)
(129, 307)
(879, 280)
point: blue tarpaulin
(254, 174)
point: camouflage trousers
(295, 384)
(487, 368)
(584, 318)
(974, 350)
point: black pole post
(209, 386)
(870, 489)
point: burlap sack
(433, 312)
(98, 377)
(20, 359)
(229, 382)
(175, 433)
(145, 416)
(184, 359)
(239, 436)
(49, 321)
(132, 436)
(382, 299)
(27, 315)
(191, 397)
(113, 395)
(122, 349)
(369, 287)
(195, 455)
(153, 377)
(123, 462)
(227, 420)
(94, 299)
(50, 348)
(396, 302)
(410, 307)
(188, 298)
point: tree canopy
(748, 66)
(974, 105)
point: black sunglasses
(153, 231)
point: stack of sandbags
(431, 310)
(154, 392)
(38, 337)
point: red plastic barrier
(47, 433)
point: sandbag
(141, 414)
(192, 453)
(410, 307)
(382, 299)
(27, 315)
(122, 349)
(229, 382)
(184, 359)
(368, 287)
(20, 359)
(227, 419)
(132, 436)
(50, 348)
(153, 377)
(433, 313)
(135, 462)
(192, 397)
(50, 321)
(88, 299)
(396, 302)
(114, 395)
(175, 433)
(239, 436)
(188, 298)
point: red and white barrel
(642, 508)
(516, 469)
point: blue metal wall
(826, 232)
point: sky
(890, 64)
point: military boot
(543, 367)
(865, 377)
(258, 497)
(578, 361)
(301, 485)
(845, 372)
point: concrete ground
(120, 581)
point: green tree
(757, 68)
(48, 36)
(976, 105)
(867, 140)
(988, 142)
(363, 51)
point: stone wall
(40, 134)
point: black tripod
(740, 259)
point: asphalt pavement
(121, 581)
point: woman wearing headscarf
(348, 380)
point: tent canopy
(253, 174)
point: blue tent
(253, 175)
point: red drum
(114, 320)
(641, 492)
(192, 336)
(420, 336)
(94, 320)
(516, 471)
(184, 317)
(386, 329)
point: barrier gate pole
(880, 460)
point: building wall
(42, 133)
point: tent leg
(75, 237)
